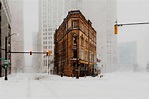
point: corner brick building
(75, 46)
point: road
(43, 86)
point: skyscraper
(5, 30)
(76, 5)
(17, 41)
(103, 14)
(51, 14)
(127, 56)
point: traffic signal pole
(117, 25)
(6, 52)
(132, 23)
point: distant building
(17, 41)
(103, 14)
(145, 50)
(76, 5)
(75, 46)
(127, 56)
(51, 14)
(35, 61)
(5, 30)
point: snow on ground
(119, 85)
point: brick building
(75, 46)
(5, 31)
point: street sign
(5, 62)
(2, 58)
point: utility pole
(30, 52)
(6, 61)
(6, 58)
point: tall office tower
(51, 14)
(16, 9)
(143, 50)
(5, 31)
(35, 58)
(76, 5)
(103, 14)
(127, 56)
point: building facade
(127, 56)
(5, 31)
(51, 14)
(17, 41)
(75, 46)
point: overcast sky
(129, 11)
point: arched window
(75, 24)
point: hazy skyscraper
(5, 30)
(76, 5)
(103, 14)
(17, 41)
(127, 56)
(51, 14)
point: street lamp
(6, 62)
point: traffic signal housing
(115, 29)
(30, 52)
(48, 53)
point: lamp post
(6, 64)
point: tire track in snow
(50, 89)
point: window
(49, 29)
(44, 47)
(90, 55)
(69, 24)
(75, 24)
(75, 39)
(86, 44)
(86, 56)
(82, 41)
(44, 42)
(44, 38)
(44, 21)
(75, 54)
(82, 54)
(44, 33)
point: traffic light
(115, 29)
(30, 52)
(48, 52)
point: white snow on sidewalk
(43, 86)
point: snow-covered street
(43, 86)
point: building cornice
(6, 9)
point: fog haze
(128, 11)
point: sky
(129, 11)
